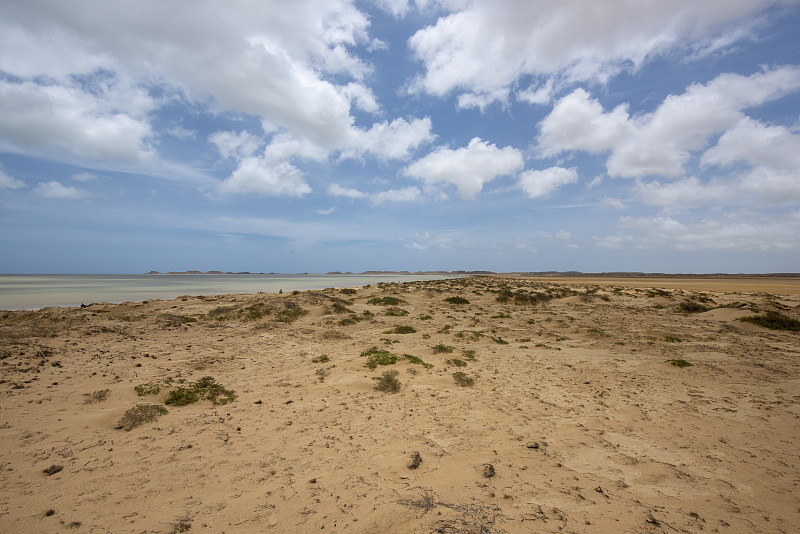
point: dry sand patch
(575, 421)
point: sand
(575, 422)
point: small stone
(416, 459)
(488, 470)
(532, 445)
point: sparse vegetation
(680, 363)
(321, 359)
(394, 311)
(152, 388)
(462, 379)
(456, 300)
(181, 396)
(139, 415)
(386, 301)
(376, 357)
(442, 349)
(97, 396)
(690, 306)
(455, 362)
(672, 339)
(469, 354)
(290, 314)
(418, 361)
(388, 382)
(774, 321)
(401, 329)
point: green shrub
(417, 360)
(181, 396)
(469, 354)
(388, 382)
(376, 357)
(462, 379)
(442, 348)
(386, 301)
(321, 359)
(290, 314)
(401, 329)
(774, 321)
(207, 388)
(140, 414)
(456, 362)
(394, 311)
(690, 306)
(152, 388)
(680, 363)
(456, 300)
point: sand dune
(575, 421)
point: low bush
(388, 382)
(774, 321)
(462, 379)
(442, 349)
(140, 414)
(456, 300)
(376, 357)
(386, 301)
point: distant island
(615, 274)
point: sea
(35, 291)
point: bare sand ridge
(575, 421)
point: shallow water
(32, 291)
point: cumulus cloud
(336, 190)
(9, 182)
(757, 144)
(235, 145)
(259, 175)
(541, 183)
(67, 122)
(56, 190)
(467, 168)
(731, 231)
(660, 143)
(683, 194)
(483, 48)
(407, 194)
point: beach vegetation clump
(455, 362)
(401, 329)
(97, 396)
(469, 354)
(680, 363)
(386, 301)
(441, 348)
(376, 357)
(417, 360)
(690, 306)
(340, 307)
(395, 311)
(456, 300)
(462, 379)
(774, 321)
(291, 313)
(171, 320)
(388, 382)
(348, 291)
(152, 388)
(139, 415)
(181, 396)
(321, 359)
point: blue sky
(335, 135)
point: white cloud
(259, 175)
(612, 202)
(84, 177)
(772, 185)
(540, 183)
(660, 143)
(757, 144)
(739, 231)
(407, 194)
(390, 140)
(577, 122)
(336, 190)
(467, 168)
(482, 48)
(563, 235)
(8, 182)
(235, 145)
(58, 191)
(683, 194)
(69, 123)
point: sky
(342, 135)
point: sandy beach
(519, 405)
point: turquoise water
(25, 292)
